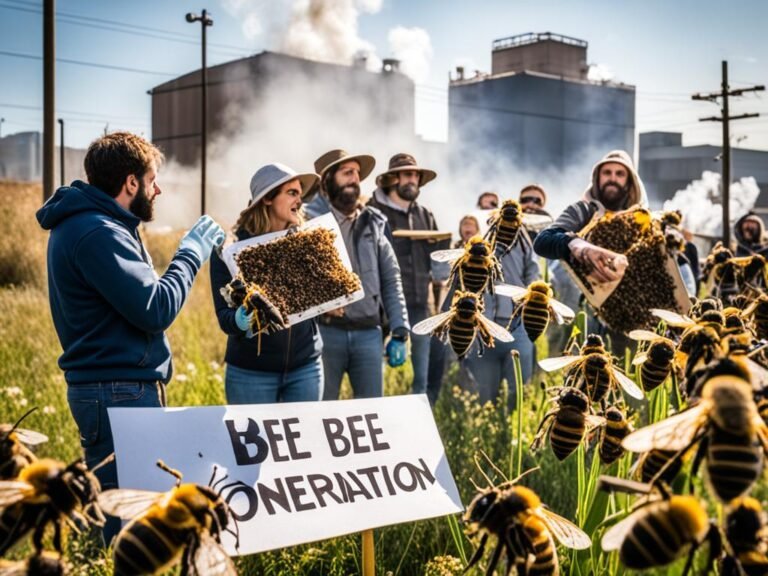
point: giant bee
(593, 370)
(524, 528)
(745, 535)
(47, 492)
(661, 529)
(184, 524)
(462, 323)
(39, 564)
(536, 306)
(506, 226)
(568, 423)
(475, 266)
(757, 313)
(657, 361)
(658, 465)
(14, 451)
(266, 318)
(613, 431)
(726, 424)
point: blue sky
(667, 49)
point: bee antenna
(477, 463)
(20, 420)
(175, 473)
(524, 474)
(107, 460)
(496, 468)
(472, 480)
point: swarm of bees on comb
(646, 283)
(298, 271)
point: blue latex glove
(203, 237)
(243, 321)
(397, 352)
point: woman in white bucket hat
(289, 368)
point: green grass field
(29, 376)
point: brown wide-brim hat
(337, 157)
(403, 162)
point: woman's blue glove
(397, 352)
(243, 320)
(203, 237)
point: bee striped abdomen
(461, 334)
(610, 445)
(148, 545)
(475, 276)
(655, 460)
(567, 432)
(651, 375)
(734, 463)
(597, 378)
(545, 563)
(652, 541)
(535, 316)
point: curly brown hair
(113, 157)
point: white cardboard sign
(325, 221)
(297, 472)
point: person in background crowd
(468, 227)
(749, 233)
(109, 307)
(488, 201)
(403, 212)
(352, 336)
(284, 366)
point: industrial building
(21, 158)
(354, 107)
(537, 109)
(667, 166)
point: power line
(90, 64)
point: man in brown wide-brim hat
(352, 336)
(395, 195)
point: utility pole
(205, 21)
(1, 126)
(725, 118)
(49, 96)
(61, 151)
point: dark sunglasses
(532, 200)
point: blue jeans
(358, 353)
(303, 384)
(419, 351)
(496, 365)
(88, 404)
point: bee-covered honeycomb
(298, 271)
(646, 283)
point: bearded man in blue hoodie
(109, 307)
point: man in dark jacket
(749, 233)
(109, 307)
(398, 204)
(352, 336)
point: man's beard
(618, 195)
(408, 192)
(142, 206)
(344, 198)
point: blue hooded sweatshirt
(109, 307)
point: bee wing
(758, 375)
(447, 255)
(13, 491)
(627, 384)
(498, 332)
(639, 358)
(565, 531)
(510, 291)
(593, 421)
(211, 559)
(558, 363)
(8, 568)
(672, 318)
(615, 535)
(428, 325)
(673, 433)
(536, 220)
(30, 437)
(563, 314)
(643, 335)
(128, 504)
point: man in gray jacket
(352, 336)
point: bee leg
(478, 553)
(715, 539)
(40, 523)
(700, 453)
(495, 558)
(542, 432)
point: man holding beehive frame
(615, 186)
(352, 336)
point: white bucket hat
(272, 176)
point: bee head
(594, 341)
(745, 520)
(477, 246)
(510, 209)
(661, 351)
(540, 286)
(467, 302)
(479, 507)
(614, 414)
(570, 396)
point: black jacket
(280, 352)
(413, 256)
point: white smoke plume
(599, 73)
(413, 48)
(701, 203)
